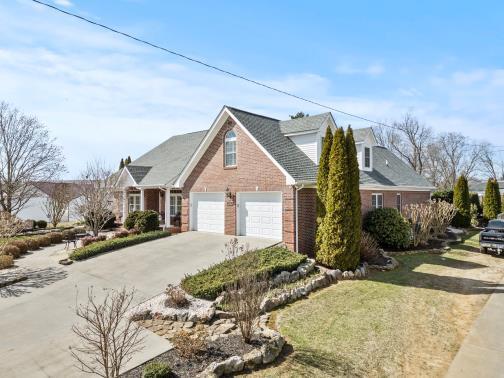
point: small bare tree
(442, 215)
(94, 203)
(57, 202)
(245, 295)
(420, 216)
(27, 155)
(9, 227)
(109, 338)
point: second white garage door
(207, 212)
(260, 214)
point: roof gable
(304, 124)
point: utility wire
(215, 68)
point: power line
(210, 66)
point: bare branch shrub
(442, 215)
(94, 203)
(10, 225)
(189, 345)
(27, 155)
(56, 203)
(109, 338)
(176, 297)
(420, 216)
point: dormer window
(367, 157)
(230, 149)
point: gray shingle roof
(389, 170)
(480, 186)
(361, 134)
(163, 164)
(267, 132)
(304, 124)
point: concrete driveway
(37, 314)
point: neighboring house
(480, 187)
(34, 208)
(254, 175)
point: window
(367, 157)
(399, 202)
(377, 200)
(175, 204)
(230, 149)
(133, 202)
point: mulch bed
(217, 351)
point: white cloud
(469, 78)
(63, 3)
(374, 69)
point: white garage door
(260, 214)
(207, 212)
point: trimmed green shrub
(6, 261)
(83, 253)
(56, 237)
(156, 370)
(355, 198)
(11, 250)
(21, 244)
(41, 224)
(323, 174)
(462, 202)
(33, 244)
(131, 219)
(44, 241)
(69, 234)
(491, 200)
(147, 221)
(443, 195)
(388, 227)
(475, 200)
(144, 221)
(211, 282)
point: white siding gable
(308, 144)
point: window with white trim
(377, 200)
(133, 202)
(175, 204)
(230, 149)
(399, 202)
(367, 157)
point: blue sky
(103, 96)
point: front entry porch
(140, 198)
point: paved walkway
(482, 352)
(36, 315)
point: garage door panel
(208, 212)
(260, 214)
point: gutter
(297, 217)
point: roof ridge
(254, 114)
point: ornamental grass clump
(176, 297)
(21, 244)
(6, 261)
(11, 250)
(33, 244)
(56, 237)
(420, 216)
(190, 344)
(44, 241)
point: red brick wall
(254, 171)
(307, 219)
(389, 198)
(151, 198)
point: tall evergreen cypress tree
(462, 202)
(333, 241)
(491, 206)
(323, 175)
(355, 198)
(121, 164)
(128, 160)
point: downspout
(297, 217)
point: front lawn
(209, 283)
(408, 322)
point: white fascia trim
(119, 178)
(288, 178)
(200, 150)
(397, 188)
(314, 131)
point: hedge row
(209, 283)
(113, 244)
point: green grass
(114, 244)
(209, 283)
(401, 323)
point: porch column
(167, 208)
(142, 199)
(124, 204)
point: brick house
(254, 175)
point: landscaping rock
(233, 364)
(252, 358)
(294, 276)
(223, 314)
(224, 328)
(357, 273)
(270, 352)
